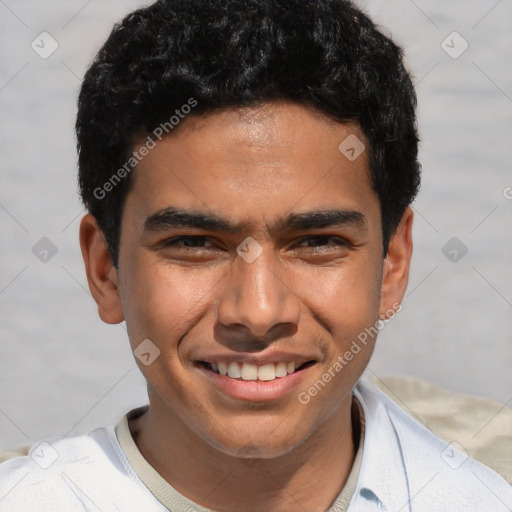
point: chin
(250, 438)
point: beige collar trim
(173, 500)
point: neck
(309, 477)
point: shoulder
(77, 473)
(436, 472)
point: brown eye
(187, 241)
(323, 240)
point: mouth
(252, 372)
(255, 383)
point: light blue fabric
(407, 468)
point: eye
(188, 242)
(315, 241)
(192, 250)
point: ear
(101, 273)
(395, 272)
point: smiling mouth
(252, 372)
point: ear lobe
(101, 273)
(395, 272)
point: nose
(256, 300)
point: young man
(248, 166)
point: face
(251, 244)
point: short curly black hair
(323, 54)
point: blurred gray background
(63, 371)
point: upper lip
(258, 359)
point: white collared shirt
(404, 468)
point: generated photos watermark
(137, 156)
(146, 352)
(305, 397)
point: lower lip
(255, 390)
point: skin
(303, 295)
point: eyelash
(175, 242)
(338, 240)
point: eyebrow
(173, 217)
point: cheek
(346, 299)
(161, 302)
(164, 303)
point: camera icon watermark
(454, 455)
(454, 249)
(507, 193)
(454, 45)
(352, 147)
(44, 455)
(249, 249)
(44, 250)
(44, 45)
(146, 352)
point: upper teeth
(246, 371)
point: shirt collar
(160, 488)
(382, 483)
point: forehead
(251, 163)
